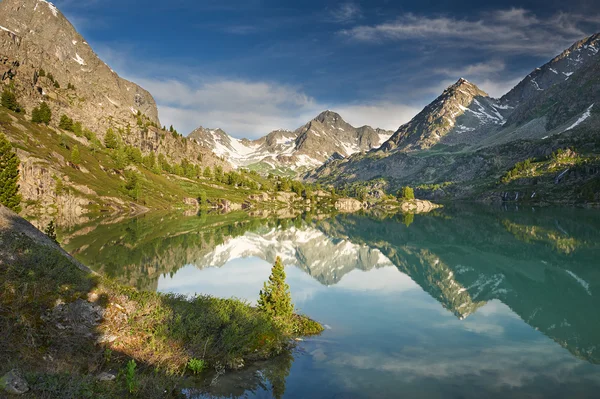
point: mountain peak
(464, 86)
(329, 116)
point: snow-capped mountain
(309, 146)
(461, 111)
(557, 70)
(475, 137)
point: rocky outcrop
(418, 206)
(348, 205)
(14, 383)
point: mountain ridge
(308, 146)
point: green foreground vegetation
(63, 326)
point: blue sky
(253, 66)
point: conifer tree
(41, 114)
(275, 298)
(66, 123)
(110, 140)
(9, 100)
(9, 176)
(75, 155)
(51, 231)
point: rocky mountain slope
(38, 36)
(466, 141)
(459, 113)
(43, 58)
(311, 145)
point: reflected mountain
(543, 266)
(541, 263)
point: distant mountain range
(325, 137)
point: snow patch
(7, 30)
(74, 42)
(582, 118)
(51, 6)
(581, 281)
(78, 59)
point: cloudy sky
(252, 66)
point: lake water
(466, 302)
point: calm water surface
(462, 303)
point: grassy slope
(157, 191)
(58, 350)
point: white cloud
(243, 108)
(345, 13)
(253, 109)
(513, 31)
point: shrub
(196, 365)
(130, 376)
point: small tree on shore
(9, 176)
(407, 193)
(275, 298)
(51, 231)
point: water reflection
(456, 303)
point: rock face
(326, 136)
(461, 109)
(35, 36)
(560, 68)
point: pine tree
(207, 172)
(51, 231)
(75, 155)
(45, 113)
(66, 123)
(275, 298)
(9, 176)
(110, 140)
(9, 100)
